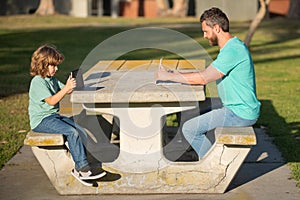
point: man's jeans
(194, 129)
(60, 124)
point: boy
(45, 94)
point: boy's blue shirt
(40, 89)
(237, 88)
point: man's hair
(215, 16)
(44, 56)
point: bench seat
(235, 136)
(212, 174)
(44, 139)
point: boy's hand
(70, 85)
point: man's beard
(213, 41)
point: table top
(133, 81)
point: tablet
(77, 74)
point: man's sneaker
(88, 173)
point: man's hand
(164, 74)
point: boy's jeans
(60, 124)
(194, 129)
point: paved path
(263, 176)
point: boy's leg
(64, 125)
(59, 124)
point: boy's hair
(215, 16)
(44, 56)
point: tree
(179, 8)
(256, 21)
(294, 10)
(46, 7)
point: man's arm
(208, 75)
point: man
(233, 71)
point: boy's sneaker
(88, 173)
(76, 175)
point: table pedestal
(141, 147)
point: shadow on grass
(282, 58)
(276, 145)
(75, 43)
(17, 47)
(265, 156)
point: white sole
(82, 181)
(93, 177)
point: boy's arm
(60, 84)
(67, 89)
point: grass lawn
(275, 49)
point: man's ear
(217, 28)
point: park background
(275, 48)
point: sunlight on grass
(14, 125)
(59, 21)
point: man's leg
(194, 130)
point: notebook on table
(160, 82)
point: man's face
(209, 34)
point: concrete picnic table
(127, 89)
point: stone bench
(212, 174)
(44, 139)
(54, 157)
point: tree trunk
(294, 10)
(256, 21)
(179, 8)
(46, 7)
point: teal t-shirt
(237, 88)
(40, 89)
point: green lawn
(275, 49)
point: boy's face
(52, 69)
